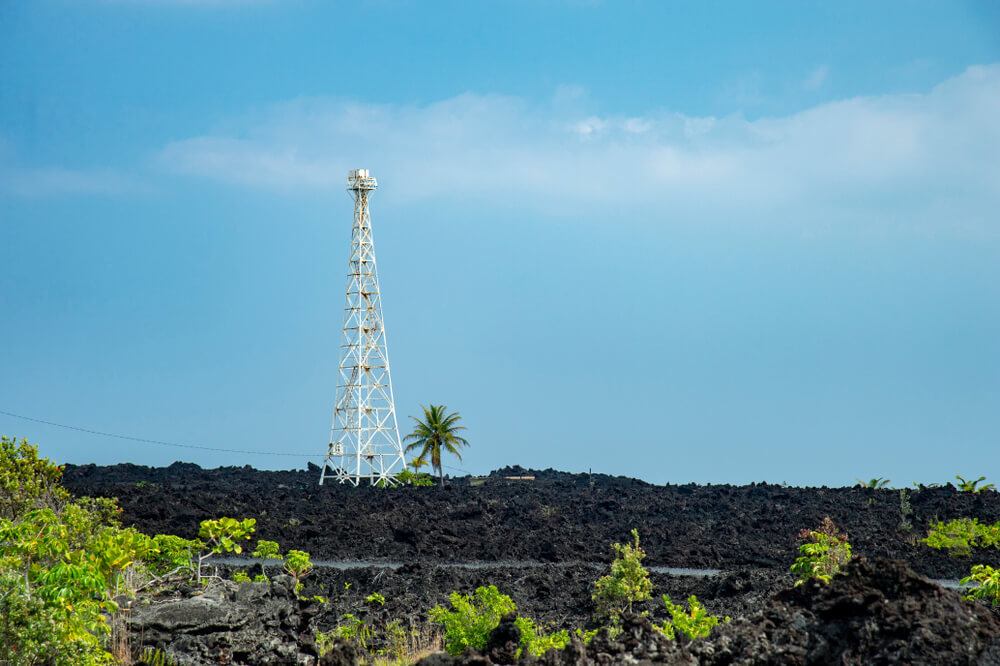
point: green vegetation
(375, 598)
(27, 481)
(222, 535)
(961, 535)
(472, 618)
(65, 564)
(267, 550)
(987, 584)
(873, 484)
(436, 433)
(972, 486)
(627, 583)
(822, 555)
(417, 479)
(905, 511)
(535, 642)
(693, 623)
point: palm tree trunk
(441, 474)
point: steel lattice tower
(364, 437)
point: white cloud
(37, 182)
(816, 78)
(890, 154)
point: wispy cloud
(908, 152)
(55, 181)
(816, 78)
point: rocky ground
(556, 518)
(544, 542)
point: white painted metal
(364, 437)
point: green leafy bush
(375, 598)
(873, 484)
(223, 535)
(972, 485)
(535, 642)
(298, 566)
(961, 535)
(417, 479)
(822, 555)
(267, 550)
(60, 572)
(351, 629)
(695, 622)
(627, 583)
(172, 554)
(987, 584)
(471, 618)
(26, 481)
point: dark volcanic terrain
(556, 518)
(544, 542)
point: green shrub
(351, 629)
(972, 486)
(987, 584)
(471, 618)
(60, 572)
(535, 642)
(822, 555)
(168, 553)
(26, 481)
(267, 550)
(873, 484)
(375, 598)
(627, 583)
(693, 623)
(418, 479)
(298, 566)
(240, 576)
(223, 535)
(961, 535)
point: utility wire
(158, 442)
(144, 440)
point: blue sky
(680, 241)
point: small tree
(437, 432)
(223, 535)
(822, 555)
(693, 623)
(298, 566)
(27, 481)
(627, 583)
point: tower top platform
(361, 179)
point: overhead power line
(159, 442)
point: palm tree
(436, 432)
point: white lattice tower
(364, 437)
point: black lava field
(557, 517)
(544, 542)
